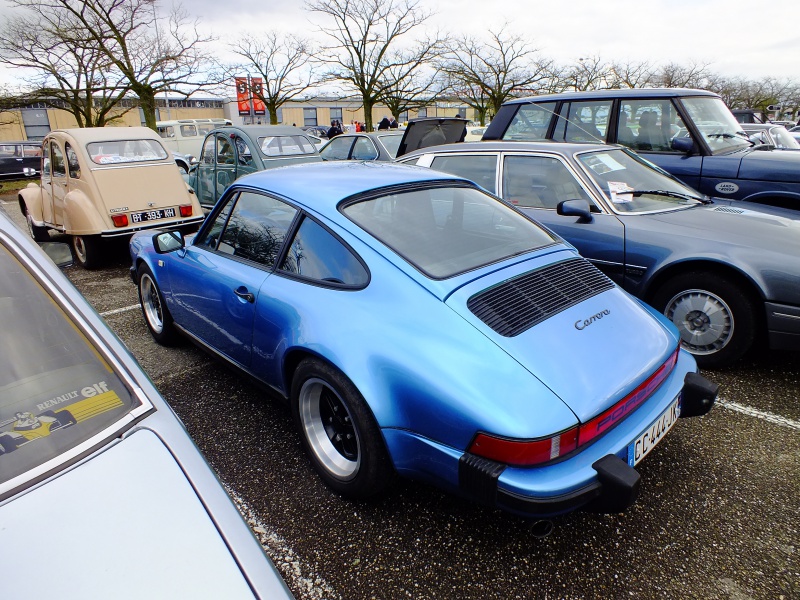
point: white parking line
(282, 555)
(760, 414)
(119, 310)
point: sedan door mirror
(683, 144)
(575, 208)
(168, 241)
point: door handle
(243, 293)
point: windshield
(716, 124)
(285, 145)
(56, 390)
(391, 143)
(443, 231)
(634, 185)
(783, 139)
(125, 151)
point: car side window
(315, 253)
(57, 161)
(364, 149)
(243, 153)
(46, 160)
(188, 130)
(72, 162)
(480, 169)
(257, 228)
(225, 154)
(583, 122)
(211, 238)
(539, 182)
(207, 155)
(337, 149)
(649, 125)
(531, 122)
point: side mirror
(575, 208)
(683, 144)
(168, 241)
(59, 252)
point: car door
(204, 174)
(58, 182)
(215, 286)
(546, 181)
(225, 164)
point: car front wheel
(338, 431)
(40, 234)
(715, 318)
(155, 311)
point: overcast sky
(736, 38)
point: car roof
(257, 131)
(512, 146)
(622, 93)
(329, 182)
(86, 135)
(755, 126)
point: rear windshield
(391, 143)
(56, 390)
(285, 145)
(125, 151)
(443, 231)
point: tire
(716, 318)
(87, 250)
(338, 431)
(154, 308)
(39, 234)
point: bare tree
(676, 75)
(67, 70)
(151, 59)
(486, 74)
(410, 90)
(366, 38)
(282, 61)
(590, 73)
(631, 74)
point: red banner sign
(257, 89)
(243, 95)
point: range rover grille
(513, 306)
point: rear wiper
(669, 194)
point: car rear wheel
(338, 431)
(155, 311)
(716, 319)
(87, 250)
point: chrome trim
(777, 314)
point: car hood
(125, 524)
(590, 353)
(432, 131)
(770, 165)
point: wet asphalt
(718, 516)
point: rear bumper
(192, 222)
(783, 324)
(598, 478)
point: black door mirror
(683, 144)
(575, 208)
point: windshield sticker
(620, 192)
(603, 163)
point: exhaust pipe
(541, 529)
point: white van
(185, 136)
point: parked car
(100, 485)
(186, 136)
(418, 325)
(20, 159)
(230, 152)
(725, 273)
(184, 161)
(316, 130)
(375, 145)
(689, 133)
(100, 183)
(771, 135)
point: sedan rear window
(125, 151)
(56, 390)
(447, 230)
(285, 145)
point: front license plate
(648, 440)
(152, 215)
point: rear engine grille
(513, 306)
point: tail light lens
(120, 220)
(186, 210)
(527, 453)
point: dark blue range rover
(689, 133)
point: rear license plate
(651, 436)
(152, 215)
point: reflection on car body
(100, 485)
(416, 324)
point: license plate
(152, 215)
(651, 436)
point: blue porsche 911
(418, 325)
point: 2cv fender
(31, 204)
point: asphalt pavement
(718, 517)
